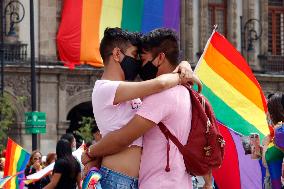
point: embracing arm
(118, 140)
(131, 90)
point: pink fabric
(173, 108)
(111, 117)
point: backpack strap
(174, 139)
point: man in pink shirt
(172, 107)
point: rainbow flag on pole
(16, 161)
(84, 21)
(231, 88)
(239, 104)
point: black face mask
(148, 71)
(130, 67)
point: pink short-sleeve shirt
(111, 117)
(173, 108)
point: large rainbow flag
(84, 21)
(239, 105)
(15, 164)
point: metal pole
(33, 72)
(242, 35)
(2, 47)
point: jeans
(115, 180)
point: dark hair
(275, 107)
(94, 129)
(69, 137)
(64, 151)
(162, 40)
(116, 37)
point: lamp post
(12, 9)
(33, 72)
(249, 34)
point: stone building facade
(65, 94)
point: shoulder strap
(170, 136)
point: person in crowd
(35, 165)
(66, 172)
(273, 157)
(161, 60)
(50, 158)
(71, 139)
(96, 134)
(2, 165)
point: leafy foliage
(85, 131)
(6, 119)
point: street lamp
(12, 9)
(16, 12)
(249, 34)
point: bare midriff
(126, 162)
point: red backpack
(204, 149)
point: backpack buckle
(208, 126)
(207, 150)
(222, 142)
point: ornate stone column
(203, 23)
(186, 29)
(232, 20)
(264, 23)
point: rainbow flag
(244, 172)
(84, 21)
(239, 104)
(92, 179)
(16, 161)
(231, 88)
(274, 158)
(4, 180)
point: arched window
(276, 27)
(217, 15)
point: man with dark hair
(172, 107)
(96, 134)
(115, 102)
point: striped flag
(15, 163)
(84, 21)
(239, 104)
(4, 180)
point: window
(217, 15)
(276, 27)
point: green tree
(6, 119)
(85, 131)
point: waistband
(114, 175)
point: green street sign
(35, 122)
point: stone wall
(58, 91)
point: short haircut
(162, 40)
(116, 37)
